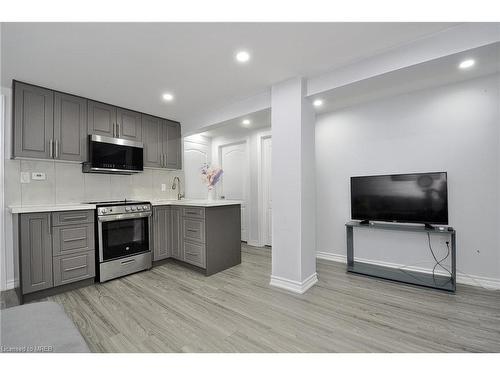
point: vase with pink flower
(210, 176)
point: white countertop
(51, 208)
(85, 206)
(195, 202)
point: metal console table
(447, 283)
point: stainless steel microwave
(113, 155)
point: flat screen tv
(407, 198)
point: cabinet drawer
(73, 267)
(194, 253)
(194, 229)
(196, 212)
(71, 239)
(72, 217)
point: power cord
(438, 262)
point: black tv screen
(409, 198)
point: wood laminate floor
(174, 309)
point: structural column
(293, 188)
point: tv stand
(441, 282)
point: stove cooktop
(116, 202)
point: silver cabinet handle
(114, 131)
(56, 153)
(71, 218)
(51, 148)
(191, 230)
(161, 160)
(75, 268)
(50, 223)
(117, 130)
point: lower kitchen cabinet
(161, 232)
(74, 267)
(55, 248)
(35, 241)
(176, 233)
(206, 237)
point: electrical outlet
(163, 187)
(25, 177)
(38, 176)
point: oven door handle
(136, 215)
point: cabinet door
(161, 240)
(70, 127)
(33, 121)
(101, 119)
(129, 125)
(176, 233)
(152, 139)
(173, 145)
(36, 252)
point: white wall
(254, 153)
(65, 183)
(453, 128)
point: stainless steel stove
(123, 237)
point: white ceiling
(132, 64)
(432, 73)
(235, 128)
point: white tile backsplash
(38, 191)
(121, 187)
(97, 187)
(65, 183)
(70, 186)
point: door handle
(51, 148)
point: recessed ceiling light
(168, 97)
(318, 103)
(467, 64)
(242, 56)
(246, 123)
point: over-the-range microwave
(113, 155)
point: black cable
(435, 258)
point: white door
(266, 190)
(234, 163)
(195, 155)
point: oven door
(123, 235)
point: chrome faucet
(174, 185)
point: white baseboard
(254, 243)
(292, 285)
(10, 284)
(486, 282)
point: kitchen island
(204, 234)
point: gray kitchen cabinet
(172, 145)
(73, 267)
(35, 252)
(161, 232)
(194, 253)
(33, 121)
(71, 239)
(152, 132)
(128, 125)
(176, 237)
(70, 127)
(101, 119)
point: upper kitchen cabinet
(152, 129)
(173, 144)
(33, 121)
(111, 121)
(70, 127)
(128, 125)
(101, 119)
